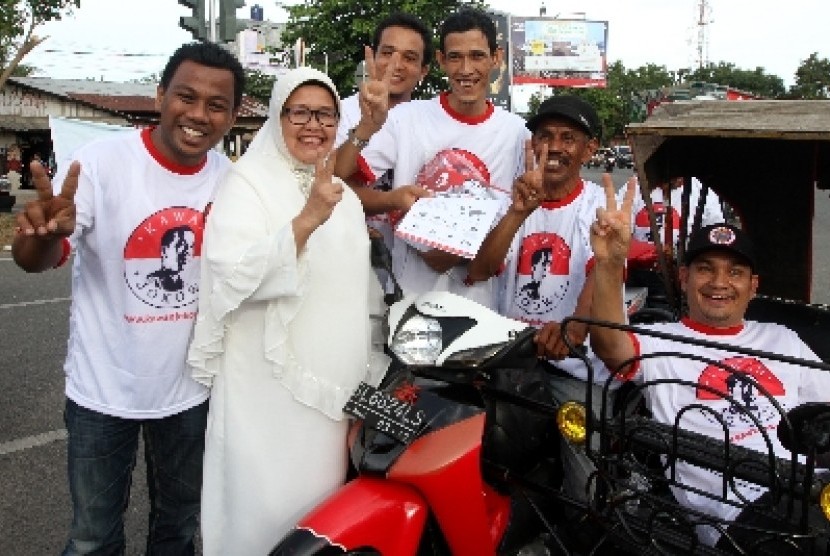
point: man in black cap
(739, 394)
(550, 214)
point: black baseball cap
(571, 108)
(724, 237)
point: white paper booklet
(455, 224)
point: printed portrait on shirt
(543, 276)
(162, 258)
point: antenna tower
(703, 21)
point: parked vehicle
(457, 451)
(624, 156)
(610, 160)
(7, 200)
(450, 455)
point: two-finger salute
(50, 214)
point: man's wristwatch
(357, 141)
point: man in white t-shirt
(133, 208)
(718, 278)
(407, 36)
(457, 125)
(540, 252)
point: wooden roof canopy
(765, 157)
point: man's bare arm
(610, 236)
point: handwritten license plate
(385, 413)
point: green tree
(755, 81)
(258, 85)
(812, 79)
(18, 20)
(341, 28)
(624, 98)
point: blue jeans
(101, 458)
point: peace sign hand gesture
(611, 231)
(528, 190)
(325, 192)
(374, 93)
(50, 216)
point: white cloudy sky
(120, 40)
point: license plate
(385, 413)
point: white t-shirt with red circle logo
(135, 277)
(789, 384)
(420, 133)
(547, 265)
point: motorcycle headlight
(418, 341)
(571, 420)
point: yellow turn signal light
(571, 421)
(824, 501)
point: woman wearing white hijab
(282, 334)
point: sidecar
(769, 161)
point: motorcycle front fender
(366, 513)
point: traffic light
(229, 27)
(195, 23)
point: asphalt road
(34, 500)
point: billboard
(558, 52)
(499, 89)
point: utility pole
(212, 20)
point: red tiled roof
(250, 108)
(117, 103)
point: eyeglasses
(301, 115)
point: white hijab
(280, 181)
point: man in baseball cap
(703, 366)
(540, 253)
(571, 108)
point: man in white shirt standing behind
(457, 126)
(408, 36)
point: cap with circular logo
(724, 237)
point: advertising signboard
(499, 89)
(558, 52)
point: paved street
(34, 502)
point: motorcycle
(455, 452)
(464, 414)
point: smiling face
(304, 141)
(568, 148)
(719, 286)
(197, 110)
(467, 61)
(412, 66)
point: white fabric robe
(283, 338)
